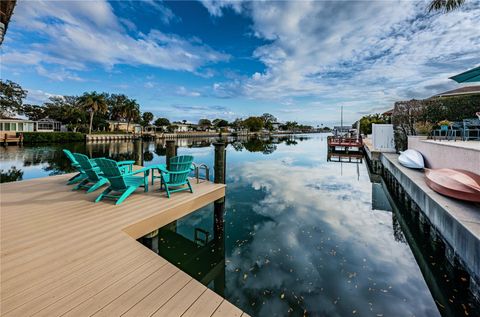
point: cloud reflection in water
(318, 246)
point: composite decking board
(63, 215)
(205, 305)
(83, 282)
(135, 294)
(112, 292)
(62, 254)
(181, 301)
(159, 296)
(25, 275)
(119, 219)
(53, 285)
(226, 309)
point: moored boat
(456, 183)
(411, 159)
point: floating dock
(63, 254)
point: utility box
(382, 137)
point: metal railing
(197, 168)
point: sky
(299, 60)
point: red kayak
(456, 183)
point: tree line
(92, 111)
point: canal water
(300, 233)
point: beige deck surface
(61, 254)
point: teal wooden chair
(122, 185)
(93, 177)
(126, 166)
(176, 179)
(80, 175)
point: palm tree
(445, 5)
(131, 112)
(93, 102)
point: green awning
(470, 76)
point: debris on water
(245, 275)
(282, 296)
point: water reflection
(305, 235)
(44, 160)
(11, 175)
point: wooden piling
(171, 151)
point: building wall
(446, 154)
(17, 126)
(133, 128)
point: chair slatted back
(70, 156)
(112, 173)
(180, 165)
(87, 167)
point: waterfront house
(121, 126)
(23, 125)
(181, 127)
(48, 125)
(17, 125)
(276, 126)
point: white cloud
(76, 34)
(166, 15)
(35, 96)
(182, 91)
(364, 52)
(216, 7)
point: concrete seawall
(457, 222)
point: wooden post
(171, 151)
(219, 167)
(219, 212)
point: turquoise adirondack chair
(94, 178)
(177, 176)
(126, 166)
(122, 184)
(80, 175)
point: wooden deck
(61, 254)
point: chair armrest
(142, 170)
(126, 163)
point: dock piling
(171, 151)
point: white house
(23, 125)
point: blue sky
(299, 60)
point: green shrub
(53, 137)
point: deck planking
(63, 255)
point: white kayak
(411, 159)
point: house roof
(469, 90)
(16, 120)
(388, 112)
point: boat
(411, 159)
(456, 183)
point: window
(1, 126)
(20, 126)
(9, 126)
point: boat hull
(455, 183)
(411, 159)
